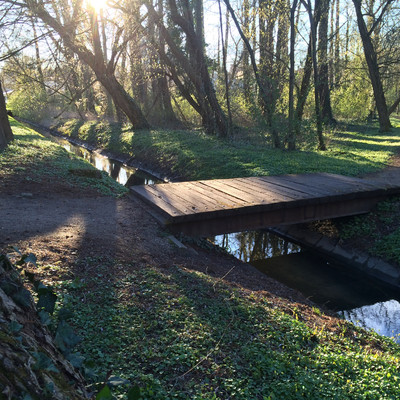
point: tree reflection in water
(255, 245)
(327, 284)
(123, 174)
(383, 318)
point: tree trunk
(162, 109)
(393, 107)
(262, 89)
(95, 60)
(318, 115)
(6, 134)
(267, 22)
(323, 84)
(292, 123)
(123, 100)
(307, 72)
(224, 55)
(190, 71)
(109, 109)
(245, 60)
(373, 69)
(304, 88)
(282, 45)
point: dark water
(123, 174)
(334, 286)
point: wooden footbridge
(210, 207)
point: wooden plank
(180, 198)
(372, 184)
(338, 183)
(214, 196)
(284, 181)
(153, 199)
(250, 189)
(312, 187)
(211, 201)
(285, 187)
(226, 187)
(263, 186)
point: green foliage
(378, 231)
(389, 247)
(181, 335)
(356, 226)
(352, 99)
(64, 336)
(30, 104)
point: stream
(122, 173)
(355, 297)
(352, 295)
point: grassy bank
(32, 158)
(352, 150)
(181, 334)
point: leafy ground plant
(377, 233)
(180, 334)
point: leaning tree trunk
(318, 115)
(292, 133)
(373, 69)
(189, 70)
(6, 134)
(95, 60)
(263, 91)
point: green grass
(180, 335)
(352, 150)
(388, 247)
(377, 233)
(183, 335)
(33, 158)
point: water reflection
(255, 245)
(383, 318)
(334, 286)
(123, 174)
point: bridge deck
(230, 205)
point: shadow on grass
(183, 334)
(192, 155)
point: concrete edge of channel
(373, 267)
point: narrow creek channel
(123, 174)
(353, 296)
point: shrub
(30, 104)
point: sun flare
(98, 4)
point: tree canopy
(195, 62)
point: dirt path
(60, 224)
